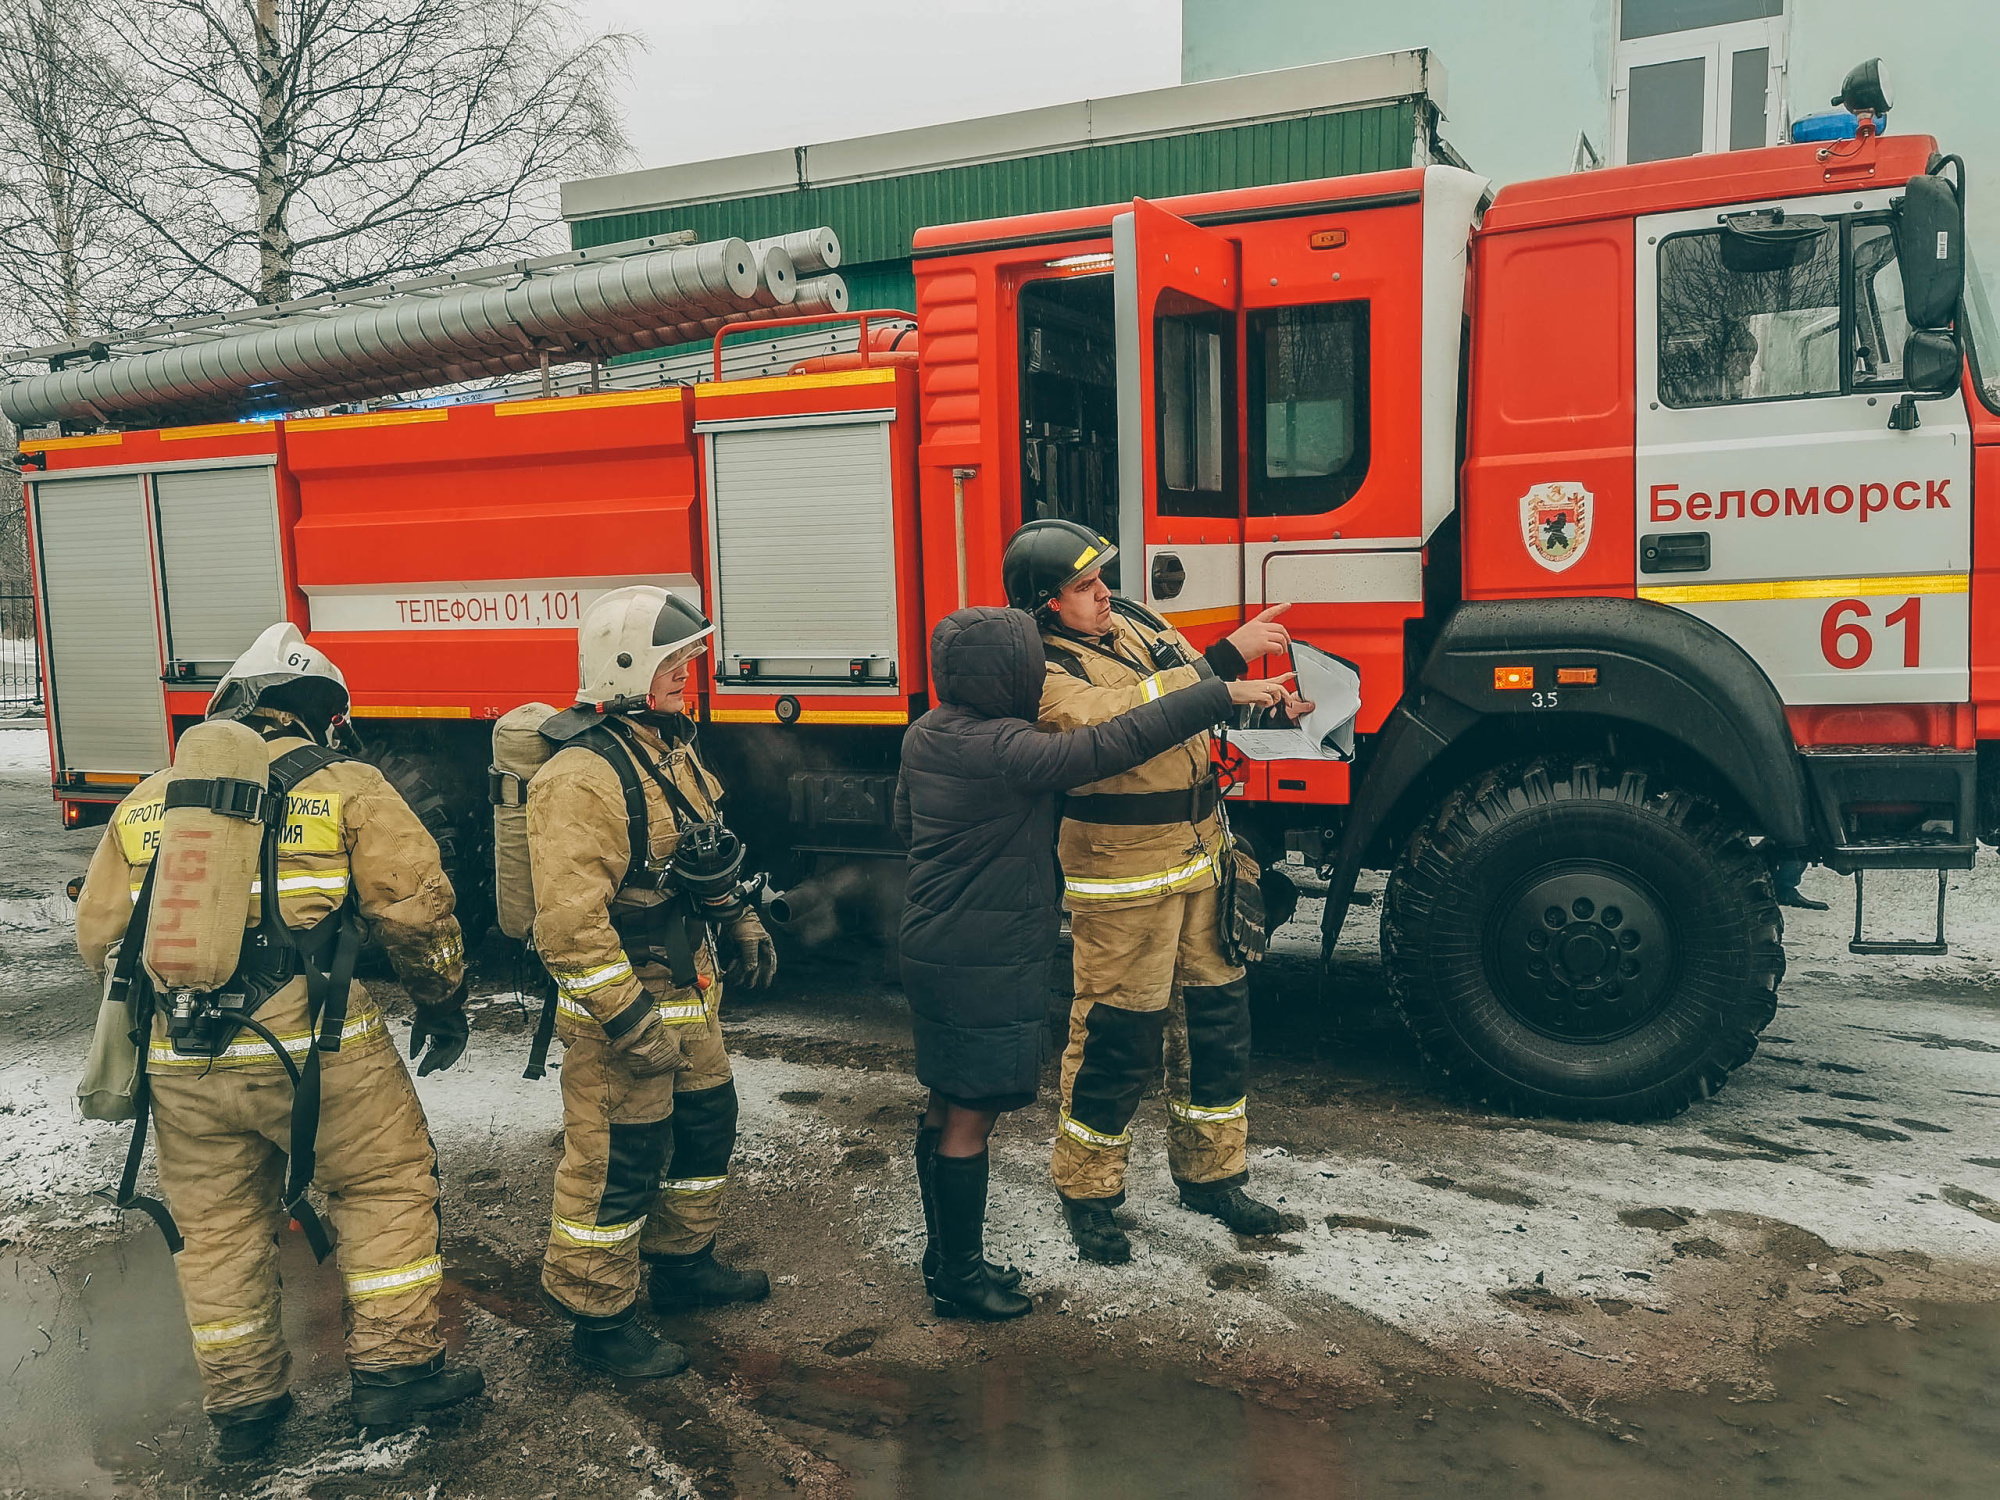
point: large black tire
(1582, 940)
(467, 859)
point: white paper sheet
(1327, 733)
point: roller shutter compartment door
(104, 650)
(805, 553)
(219, 560)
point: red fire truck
(1643, 501)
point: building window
(1308, 407)
(1697, 75)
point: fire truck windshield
(1983, 333)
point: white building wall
(1526, 78)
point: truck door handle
(1168, 575)
(1674, 552)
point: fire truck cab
(1642, 501)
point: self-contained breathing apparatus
(683, 899)
(176, 980)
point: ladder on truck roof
(407, 336)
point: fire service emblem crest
(1555, 522)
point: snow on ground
(24, 747)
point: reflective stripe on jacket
(346, 828)
(579, 845)
(1107, 864)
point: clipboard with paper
(1333, 687)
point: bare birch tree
(300, 146)
(73, 259)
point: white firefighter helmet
(625, 636)
(280, 671)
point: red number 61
(1846, 643)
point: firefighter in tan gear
(1141, 856)
(632, 869)
(225, 1106)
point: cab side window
(1750, 314)
(1195, 359)
(1879, 327)
(1308, 370)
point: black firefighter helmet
(1045, 557)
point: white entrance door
(1774, 499)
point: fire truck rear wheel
(1583, 940)
(468, 867)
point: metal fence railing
(20, 661)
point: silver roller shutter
(219, 558)
(805, 553)
(97, 592)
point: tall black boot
(926, 1152)
(683, 1282)
(1236, 1208)
(962, 1286)
(618, 1345)
(244, 1432)
(391, 1398)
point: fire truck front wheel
(1583, 940)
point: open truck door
(1177, 292)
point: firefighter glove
(445, 1028)
(650, 1049)
(756, 961)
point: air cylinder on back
(518, 752)
(207, 861)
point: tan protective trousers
(222, 1138)
(644, 1164)
(1153, 979)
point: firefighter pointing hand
(632, 870)
(1142, 857)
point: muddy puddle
(1881, 1410)
(96, 1381)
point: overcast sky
(721, 78)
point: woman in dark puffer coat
(976, 803)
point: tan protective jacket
(1122, 864)
(346, 829)
(580, 846)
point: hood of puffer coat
(989, 662)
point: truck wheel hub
(1582, 952)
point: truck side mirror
(1932, 361)
(1930, 249)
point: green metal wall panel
(875, 219)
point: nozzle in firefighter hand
(1262, 636)
(445, 1028)
(756, 961)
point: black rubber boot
(620, 1345)
(682, 1282)
(927, 1144)
(244, 1432)
(392, 1398)
(963, 1288)
(1096, 1233)
(1234, 1207)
